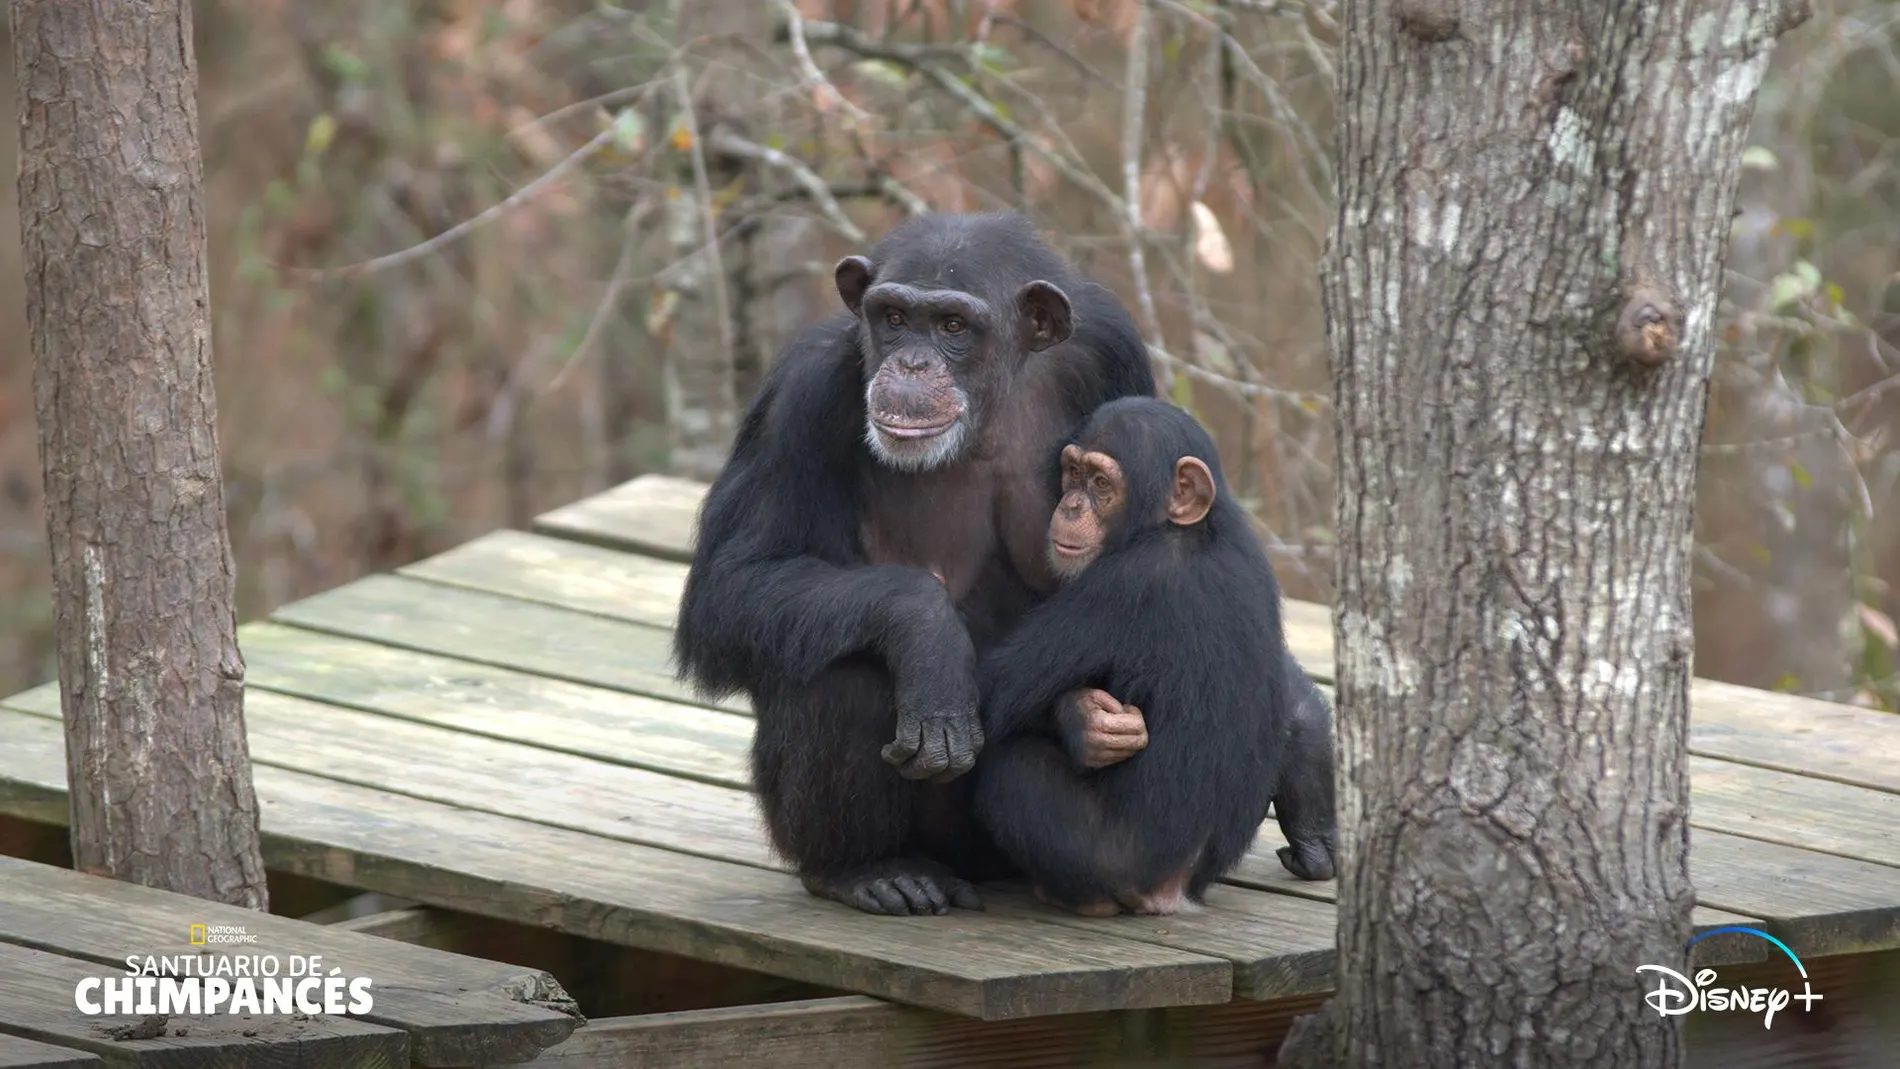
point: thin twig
(921, 58)
(1134, 102)
(727, 143)
(609, 300)
(703, 185)
(820, 85)
(1306, 401)
(462, 229)
(608, 99)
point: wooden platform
(498, 730)
(428, 1008)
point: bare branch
(727, 143)
(462, 229)
(722, 305)
(623, 269)
(1134, 103)
(820, 85)
(922, 59)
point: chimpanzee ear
(1193, 495)
(1048, 318)
(853, 274)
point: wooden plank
(17, 1053)
(610, 725)
(852, 1032)
(1280, 946)
(1261, 869)
(36, 1002)
(1827, 740)
(572, 575)
(857, 1033)
(458, 1010)
(1817, 903)
(1795, 810)
(978, 965)
(615, 801)
(415, 925)
(500, 631)
(653, 514)
(1738, 799)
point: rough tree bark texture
(113, 227)
(1533, 213)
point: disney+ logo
(1676, 994)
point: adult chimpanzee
(880, 522)
(1169, 604)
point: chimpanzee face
(1096, 501)
(937, 359)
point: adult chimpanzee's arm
(776, 593)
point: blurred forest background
(473, 259)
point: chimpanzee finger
(962, 894)
(1121, 725)
(932, 758)
(921, 893)
(889, 899)
(905, 745)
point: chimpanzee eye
(1100, 485)
(894, 318)
(953, 325)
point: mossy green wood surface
(501, 631)
(480, 699)
(621, 892)
(36, 1002)
(654, 515)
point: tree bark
(113, 228)
(1534, 205)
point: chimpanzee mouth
(897, 430)
(1063, 549)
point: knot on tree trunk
(1432, 21)
(1792, 13)
(1649, 328)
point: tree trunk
(1534, 205)
(112, 222)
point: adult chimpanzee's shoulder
(1105, 332)
(814, 383)
(788, 487)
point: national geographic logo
(220, 935)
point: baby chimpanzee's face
(1094, 494)
(1095, 504)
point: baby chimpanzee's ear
(1193, 493)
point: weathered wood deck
(498, 730)
(429, 1008)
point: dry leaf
(1210, 241)
(1880, 624)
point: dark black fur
(782, 603)
(1182, 622)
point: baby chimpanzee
(1170, 605)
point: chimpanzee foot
(900, 887)
(1309, 859)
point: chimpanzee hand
(1098, 731)
(938, 733)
